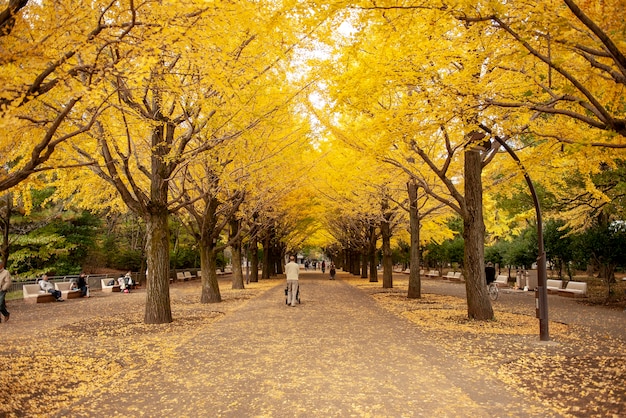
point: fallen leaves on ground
(49, 370)
(579, 373)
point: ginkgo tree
(171, 104)
(51, 70)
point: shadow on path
(336, 354)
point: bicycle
(492, 289)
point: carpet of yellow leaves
(48, 370)
(579, 373)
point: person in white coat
(292, 271)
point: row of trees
(293, 123)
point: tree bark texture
(385, 231)
(372, 254)
(254, 261)
(158, 309)
(237, 280)
(265, 274)
(478, 303)
(364, 259)
(208, 262)
(415, 283)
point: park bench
(33, 294)
(502, 280)
(406, 271)
(553, 286)
(180, 276)
(450, 275)
(189, 276)
(458, 276)
(106, 287)
(574, 289)
(432, 273)
(66, 291)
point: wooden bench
(553, 286)
(64, 288)
(106, 287)
(33, 294)
(502, 280)
(574, 289)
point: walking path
(337, 354)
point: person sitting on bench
(46, 286)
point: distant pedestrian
(5, 284)
(332, 271)
(323, 266)
(292, 271)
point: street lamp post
(541, 295)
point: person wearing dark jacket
(490, 273)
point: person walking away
(332, 271)
(323, 267)
(47, 287)
(292, 271)
(490, 273)
(5, 284)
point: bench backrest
(188, 275)
(502, 279)
(458, 275)
(577, 286)
(31, 289)
(180, 275)
(63, 286)
(554, 283)
(105, 282)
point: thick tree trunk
(356, 263)
(6, 227)
(237, 270)
(385, 232)
(415, 283)
(237, 280)
(254, 261)
(372, 255)
(158, 309)
(208, 263)
(265, 274)
(364, 259)
(478, 303)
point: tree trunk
(265, 274)
(237, 270)
(364, 259)
(385, 232)
(158, 309)
(356, 263)
(6, 227)
(237, 280)
(208, 264)
(372, 255)
(254, 261)
(478, 303)
(415, 283)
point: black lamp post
(541, 294)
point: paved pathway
(337, 354)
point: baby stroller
(297, 294)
